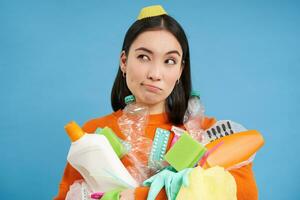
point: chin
(153, 100)
(150, 98)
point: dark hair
(176, 102)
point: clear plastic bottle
(132, 124)
(194, 116)
(134, 119)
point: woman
(155, 68)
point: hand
(170, 179)
(173, 183)
(127, 194)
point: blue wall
(58, 60)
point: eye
(143, 57)
(171, 62)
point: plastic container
(193, 116)
(94, 158)
(238, 148)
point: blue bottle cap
(195, 93)
(129, 99)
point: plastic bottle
(94, 158)
(134, 119)
(193, 116)
(132, 124)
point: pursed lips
(151, 86)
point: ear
(123, 61)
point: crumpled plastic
(132, 124)
(209, 184)
(79, 190)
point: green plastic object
(170, 180)
(185, 153)
(113, 194)
(128, 99)
(195, 93)
(113, 139)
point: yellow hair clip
(151, 11)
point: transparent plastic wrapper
(79, 190)
(194, 116)
(244, 163)
(132, 124)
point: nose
(154, 72)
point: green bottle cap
(129, 99)
(195, 93)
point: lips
(152, 88)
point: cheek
(134, 76)
(170, 85)
(171, 79)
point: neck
(156, 108)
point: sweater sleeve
(141, 193)
(70, 175)
(245, 181)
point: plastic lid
(129, 99)
(195, 93)
(74, 131)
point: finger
(155, 188)
(185, 180)
(149, 181)
(168, 186)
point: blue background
(58, 60)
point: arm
(141, 193)
(244, 176)
(245, 181)
(69, 176)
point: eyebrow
(149, 51)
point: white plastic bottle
(194, 116)
(94, 158)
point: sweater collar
(154, 119)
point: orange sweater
(244, 177)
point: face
(153, 66)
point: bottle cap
(195, 93)
(74, 131)
(129, 99)
(151, 11)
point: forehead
(158, 41)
